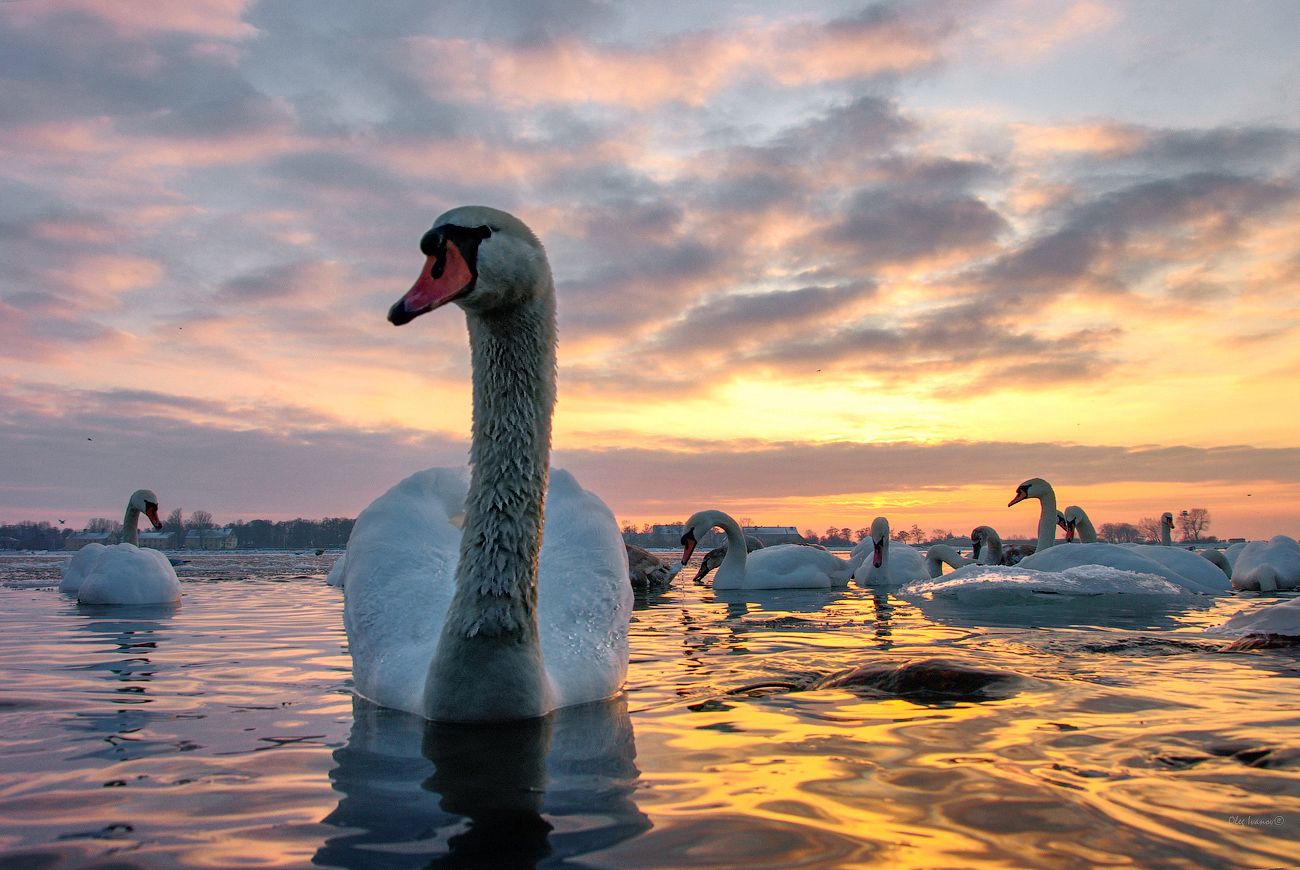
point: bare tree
(1150, 528)
(1119, 533)
(200, 521)
(1191, 523)
(100, 524)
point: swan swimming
(124, 573)
(785, 566)
(502, 618)
(888, 566)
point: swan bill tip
(399, 314)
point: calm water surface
(223, 733)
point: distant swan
(888, 566)
(988, 548)
(785, 566)
(1076, 523)
(498, 619)
(942, 554)
(124, 573)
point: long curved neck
(1086, 531)
(1166, 538)
(993, 543)
(489, 644)
(737, 547)
(1047, 520)
(130, 534)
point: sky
(815, 262)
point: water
(224, 734)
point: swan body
(1192, 573)
(647, 572)
(124, 573)
(1036, 487)
(978, 584)
(714, 557)
(501, 618)
(785, 566)
(1282, 618)
(941, 554)
(1268, 566)
(1216, 557)
(888, 566)
(74, 572)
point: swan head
(1070, 521)
(481, 258)
(1167, 520)
(1034, 487)
(879, 540)
(146, 503)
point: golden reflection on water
(224, 734)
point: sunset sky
(816, 262)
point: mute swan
(647, 572)
(1040, 489)
(941, 554)
(988, 548)
(1268, 566)
(888, 566)
(785, 566)
(714, 557)
(495, 620)
(1166, 529)
(1076, 523)
(1216, 557)
(124, 573)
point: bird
(1036, 487)
(1268, 566)
(523, 608)
(887, 566)
(942, 554)
(124, 573)
(647, 572)
(785, 566)
(988, 549)
(1077, 524)
(1166, 529)
(713, 558)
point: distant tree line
(299, 534)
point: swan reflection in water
(426, 794)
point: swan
(1166, 529)
(713, 558)
(785, 566)
(1076, 523)
(941, 554)
(888, 566)
(124, 573)
(1040, 489)
(1268, 566)
(1282, 618)
(647, 572)
(1217, 558)
(499, 618)
(988, 549)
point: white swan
(1166, 529)
(785, 566)
(1282, 618)
(1216, 558)
(888, 566)
(942, 554)
(1077, 524)
(988, 549)
(124, 573)
(493, 620)
(1268, 566)
(1040, 489)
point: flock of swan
(458, 609)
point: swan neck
(737, 547)
(1047, 520)
(513, 360)
(130, 532)
(1166, 539)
